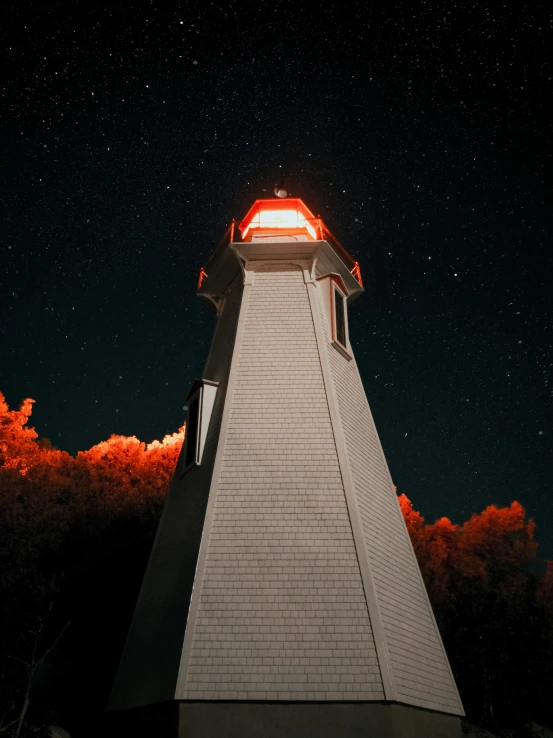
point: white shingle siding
(281, 613)
(306, 587)
(419, 667)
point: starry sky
(419, 131)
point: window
(334, 294)
(340, 326)
(201, 399)
(340, 308)
(192, 431)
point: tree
(17, 445)
(32, 525)
(75, 534)
(484, 596)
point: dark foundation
(282, 720)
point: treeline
(75, 534)
(493, 601)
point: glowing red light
(285, 217)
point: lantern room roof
(285, 217)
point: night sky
(130, 138)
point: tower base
(282, 720)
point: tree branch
(9, 725)
(54, 644)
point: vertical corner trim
(407, 538)
(355, 518)
(200, 567)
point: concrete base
(283, 720)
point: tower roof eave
(320, 255)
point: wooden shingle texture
(282, 612)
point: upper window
(201, 399)
(340, 317)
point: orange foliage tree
(124, 473)
(491, 608)
(72, 530)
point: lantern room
(276, 229)
(285, 220)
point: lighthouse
(282, 597)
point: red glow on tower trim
(356, 271)
(203, 275)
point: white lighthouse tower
(283, 597)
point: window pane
(192, 430)
(340, 317)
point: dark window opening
(192, 430)
(339, 300)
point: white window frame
(336, 289)
(204, 391)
